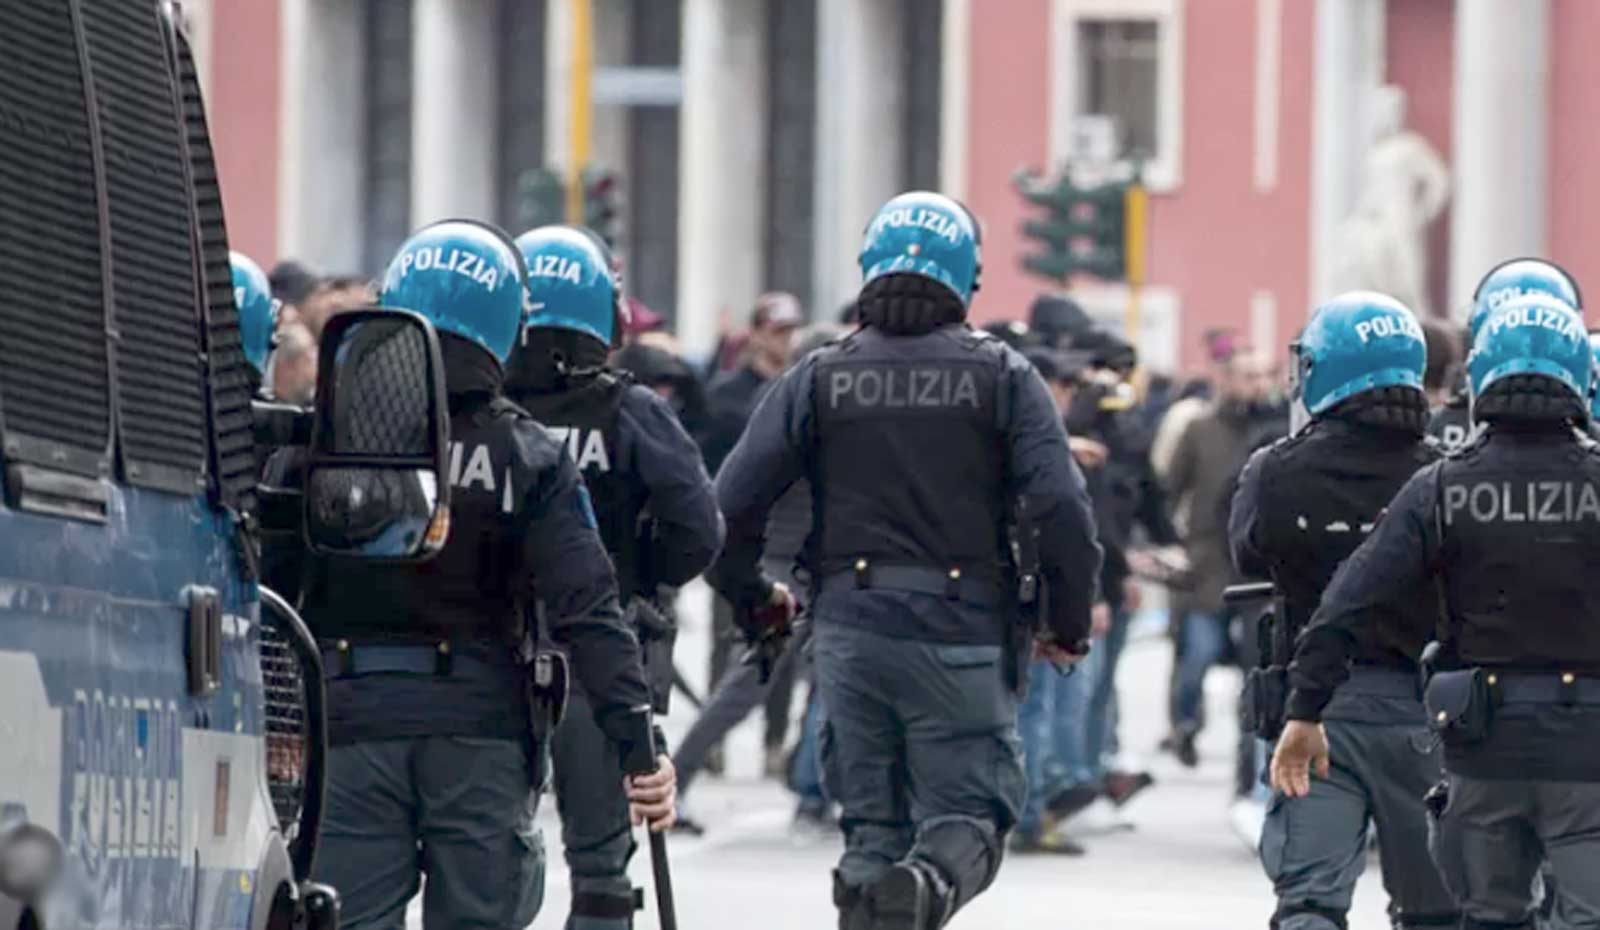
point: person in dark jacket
(427, 686)
(658, 519)
(1303, 505)
(917, 436)
(730, 399)
(1127, 496)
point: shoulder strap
(1446, 628)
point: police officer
(1303, 505)
(1517, 277)
(657, 514)
(916, 434)
(1507, 527)
(431, 768)
(258, 316)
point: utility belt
(1381, 681)
(345, 659)
(545, 671)
(1020, 603)
(1461, 703)
(949, 584)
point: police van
(161, 744)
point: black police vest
(1519, 514)
(476, 585)
(909, 468)
(1322, 492)
(585, 417)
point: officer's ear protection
(1477, 292)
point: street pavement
(1175, 863)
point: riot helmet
(1518, 277)
(1357, 342)
(466, 277)
(258, 310)
(1533, 335)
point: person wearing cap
(1113, 449)
(730, 399)
(1051, 717)
(920, 438)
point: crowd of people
(1161, 481)
(1159, 455)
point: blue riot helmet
(466, 277)
(1594, 377)
(258, 311)
(1516, 278)
(571, 284)
(1535, 334)
(925, 234)
(1356, 342)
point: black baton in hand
(639, 758)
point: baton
(682, 684)
(662, 871)
(639, 758)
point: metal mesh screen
(381, 392)
(284, 684)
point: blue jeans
(805, 769)
(1052, 723)
(1100, 726)
(1205, 641)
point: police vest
(586, 419)
(1321, 493)
(1519, 518)
(477, 584)
(909, 465)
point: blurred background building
(1291, 147)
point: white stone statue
(1382, 246)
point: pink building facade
(1254, 115)
(1233, 236)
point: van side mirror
(375, 483)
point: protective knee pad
(1331, 916)
(965, 854)
(594, 909)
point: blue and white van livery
(159, 743)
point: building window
(1118, 90)
(1117, 65)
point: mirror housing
(375, 480)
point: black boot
(900, 899)
(854, 914)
